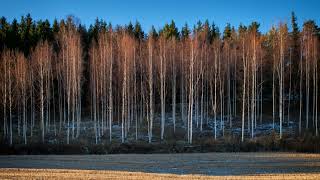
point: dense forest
(59, 79)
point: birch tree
(283, 37)
(162, 73)
(41, 58)
(150, 84)
(71, 73)
(22, 84)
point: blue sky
(158, 12)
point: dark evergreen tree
(214, 32)
(94, 30)
(153, 33)
(227, 31)
(254, 27)
(55, 26)
(130, 28)
(295, 46)
(40, 30)
(198, 27)
(207, 31)
(170, 31)
(185, 32)
(4, 28)
(138, 32)
(13, 40)
(27, 31)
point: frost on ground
(223, 127)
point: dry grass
(8, 173)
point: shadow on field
(183, 163)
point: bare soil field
(162, 166)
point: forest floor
(264, 138)
(163, 166)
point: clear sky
(158, 12)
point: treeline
(52, 76)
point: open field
(160, 166)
